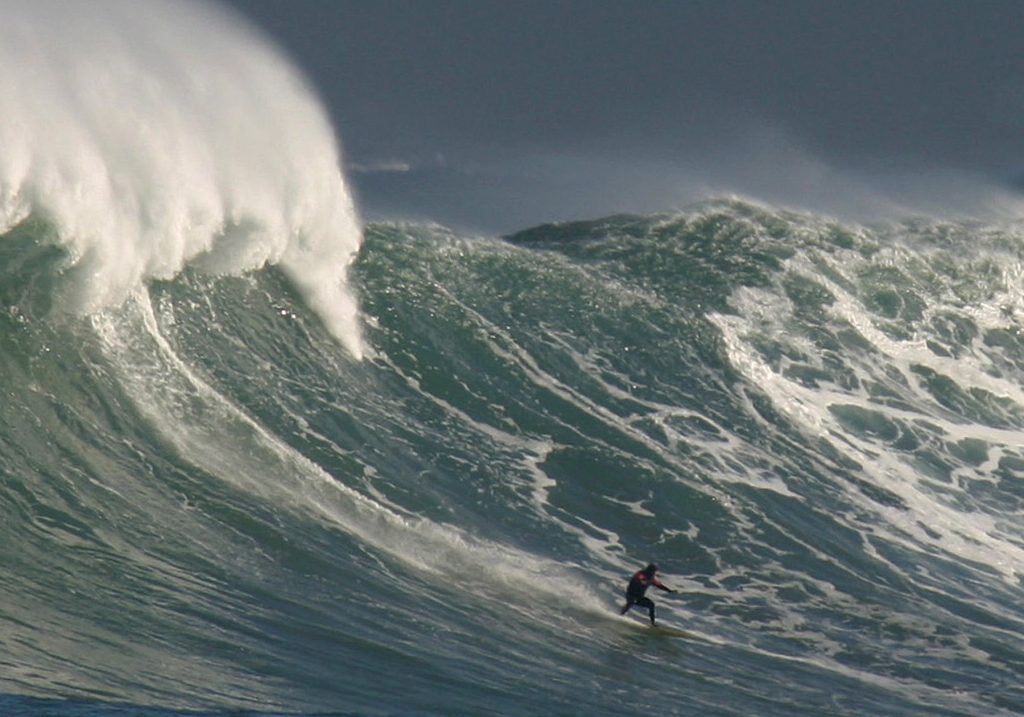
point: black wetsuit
(635, 592)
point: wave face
(815, 429)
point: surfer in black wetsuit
(638, 585)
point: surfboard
(669, 631)
(663, 630)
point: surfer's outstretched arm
(658, 584)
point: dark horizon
(494, 116)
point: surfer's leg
(649, 604)
(629, 604)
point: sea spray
(158, 135)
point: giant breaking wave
(158, 137)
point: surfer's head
(650, 570)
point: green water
(208, 504)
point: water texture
(258, 459)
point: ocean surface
(209, 504)
(258, 458)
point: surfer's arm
(658, 584)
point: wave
(813, 427)
(177, 136)
(227, 485)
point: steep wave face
(151, 137)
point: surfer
(638, 585)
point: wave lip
(153, 137)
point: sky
(493, 116)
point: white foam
(157, 134)
(926, 519)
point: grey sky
(496, 115)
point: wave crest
(159, 136)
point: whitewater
(259, 458)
